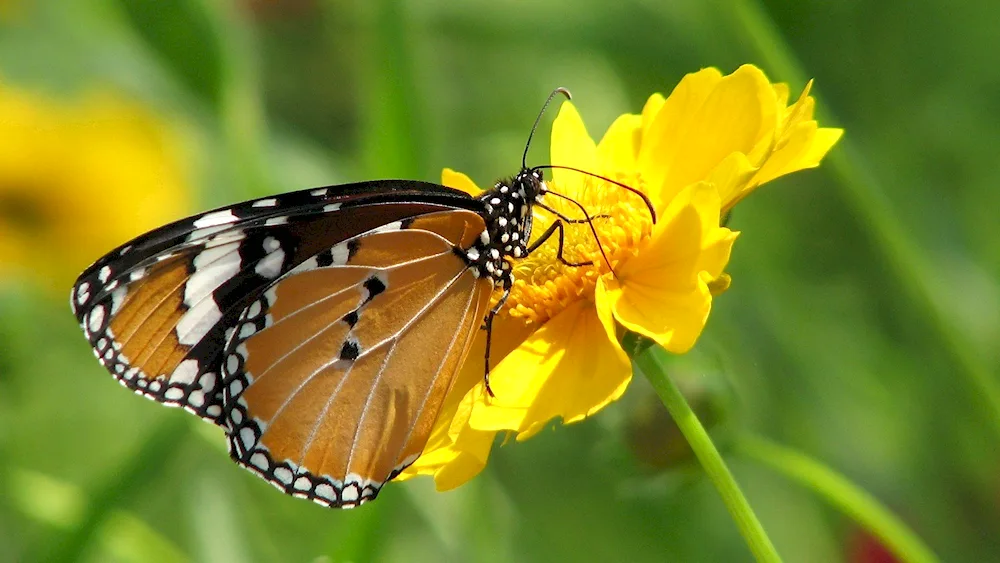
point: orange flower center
(543, 284)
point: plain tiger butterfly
(320, 329)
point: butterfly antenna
(590, 223)
(645, 199)
(559, 90)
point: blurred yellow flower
(9, 9)
(77, 179)
(695, 154)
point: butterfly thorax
(507, 213)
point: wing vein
(395, 339)
(427, 395)
(350, 267)
(319, 332)
(319, 419)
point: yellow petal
(619, 147)
(652, 107)
(456, 452)
(781, 93)
(459, 181)
(731, 178)
(675, 112)
(802, 109)
(821, 144)
(571, 146)
(569, 368)
(686, 142)
(663, 293)
(803, 147)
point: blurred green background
(861, 328)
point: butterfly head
(530, 184)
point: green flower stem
(649, 363)
(863, 191)
(841, 493)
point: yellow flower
(556, 351)
(77, 179)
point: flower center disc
(543, 284)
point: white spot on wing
(283, 474)
(185, 373)
(310, 264)
(247, 437)
(269, 202)
(254, 309)
(340, 254)
(117, 298)
(96, 318)
(275, 221)
(104, 274)
(331, 207)
(232, 364)
(216, 218)
(212, 266)
(324, 490)
(319, 193)
(270, 266)
(198, 234)
(232, 235)
(259, 461)
(350, 493)
(394, 226)
(196, 323)
(196, 399)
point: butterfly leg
(556, 226)
(488, 326)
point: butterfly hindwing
(337, 371)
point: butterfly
(320, 329)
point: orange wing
(335, 375)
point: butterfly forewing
(338, 370)
(159, 310)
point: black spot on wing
(352, 248)
(351, 318)
(325, 258)
(349, 351)
(374, 286)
